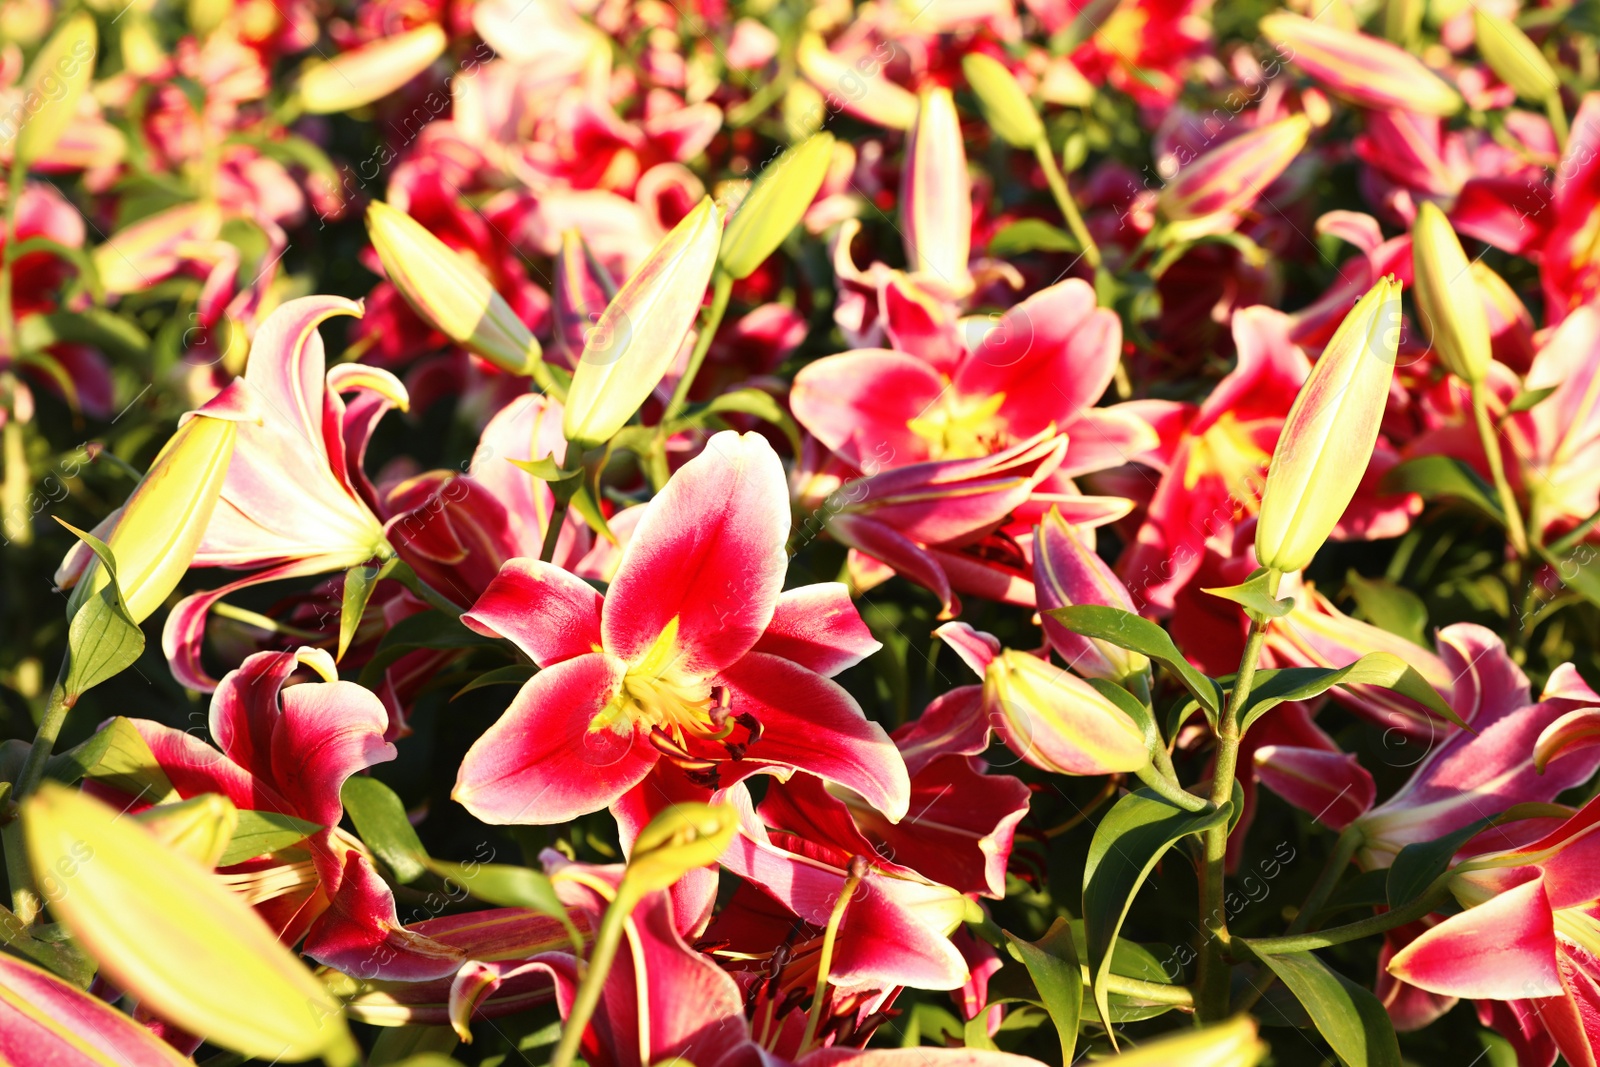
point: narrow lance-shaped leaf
(1353, 1021)
(1127, 630)
(1052, 963)
(380, 819)
(1375, 668)
(1127, 843)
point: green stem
(407, 577)
(1211, 1000)
(604, 953)
(1344, 851)
(721, 289)
(1377, 924)
(16, 526)
(1491, 451)
(858, 871)
(25, 898)
(1064, 201)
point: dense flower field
(929, 533)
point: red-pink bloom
(47, 1022)
(457, 529)
(1529, 938)
(1043, 363)
(287, 750)
(1465, 773)
(295, 501)
(695, 654)
(1143, 48)
(934, 522)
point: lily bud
(1009, 112)
(158, 530)
(1065, 572)
(680, 839)
(199, 827)
(936, 194)
(1365, 70)
(54, 84)
(1328, 438)
(1228, 1044)
(1232, 176)
(356, 78)
(870, 96)
(1448, 296)
(167, 932)
(1057, 721)
(774, 205)
(1516, 60)
(449, 294)
(632, 346)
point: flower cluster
(731, 535)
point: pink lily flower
(937, 523)
(1213, 458)
(674, 662)
(456, 530)
(664, 1000)
(1144, 48)
(1043, 363)
(295, 501)
(896, 929)
(1527, 941)
(288, 749)
(48, 1022)
(1464, 774)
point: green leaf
(510, 887)
(1052, 963)
(1031, 235)
(395, 1044)
(754, 402)
(50, 946)
(1254, 594)
(102, 638)
(1529, 398)
(113, 334)
(381, 822)
(1134, 834)
(1444, 478)
(516, 674)
(1375, 668)
(260, 832)
(1419, 864)
(427, 629)
(1127, 630)
(359, 582)
(118, 757)
(1572, 566)
(1352, 1020)
(1389, 606)
(546, 469)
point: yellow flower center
(1228, 451)
(958, 427)
(658, 690)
